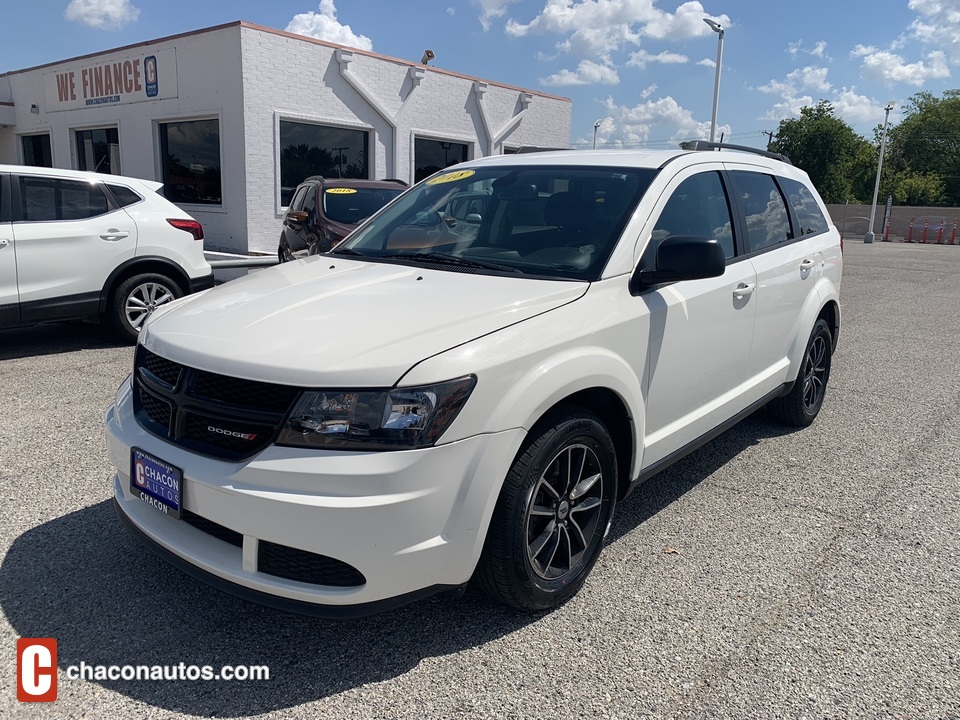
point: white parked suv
(434, 401)
(86, 245)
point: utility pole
(769, 135)
(340, 159)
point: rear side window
(805, 207)
(698, 207)
(125, 196)
(55, 199)
(764, 210)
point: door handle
(112, 235)
(744, 289)
(807, 265)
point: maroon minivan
(324, 211)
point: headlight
(396, 419)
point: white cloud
(707, 62)
(587, 72)
(598, 27)
(648, 91)
(819, 50)
(856, 108)
(794, 91)
(491, 10)
(102, 14)
(642, 57)
(664, 119)
(863, 50)
(324, 25)
(889, 67)
(938, 25)
(807, 78)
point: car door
(9, 297)
(700, 330)
(293, 225)
(785, 263)
(69, 237)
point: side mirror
(682, 257)
(473, 219)
(297, 216)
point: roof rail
(707, 145)
(314, 177)
(396, 180)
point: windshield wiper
(444, 258)
(345, 251)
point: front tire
(136, 298)
(553, 513)
(802, 404)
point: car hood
(330, 321)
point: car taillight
(190, 226)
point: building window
(307, 149)
(36, 150)
(433, 155)
(99, 150)
(190, 161)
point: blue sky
(643, 68)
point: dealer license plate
(155, 482)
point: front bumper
(412, 522)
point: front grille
(163, 369)
(306, 567)
(159, 411)
(216, 415)
(211, 528)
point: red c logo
(36, 669)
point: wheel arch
(612, 411)
(139, 266)
(821, 302)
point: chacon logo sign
(112, 80)
(150, 73)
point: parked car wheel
(283, 252)
(802, 404)
(136, 298)
(553, 514)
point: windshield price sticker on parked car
(450, 177)
(155, 482)
(341, 191)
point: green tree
(831, 153)
(925, 146)
(910, 188)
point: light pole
(596, 126)
(868, 238)
(718, 29)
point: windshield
(554, 221)
(351, 205)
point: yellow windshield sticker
(341, 191)
(450, 177)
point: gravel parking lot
(772, 574)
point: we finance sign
(112, 81)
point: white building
(231, 118)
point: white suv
(437, 401)
(85, 245)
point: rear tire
(802, 404)
(136, 298)
(553, 513)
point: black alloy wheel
(553, 513)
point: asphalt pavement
(772, 574)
